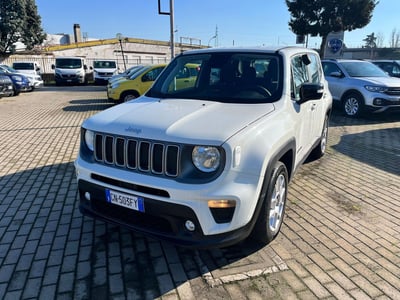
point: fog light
(222, 210)
(87, 196)
(190, 225)
(379, 102)
(221, 203)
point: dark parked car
(6, 86)
(20, 82)
(391, 67)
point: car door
(300, 75)
(317, 116)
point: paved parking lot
(340, 238)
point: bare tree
(380, 38)
(394, 38)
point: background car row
(357, 86)
(21, 80)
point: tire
(320, 149)
(273, 195)
(127, 96)
(353, 104)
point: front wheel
(353, 105)
(273, 195)
(127, 96)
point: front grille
(68, 75)
(137, 155)
(393, 91)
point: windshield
(132, 70)
(102, 64)
(363, 69)
(69, 63)
(222, 76)
(23, 66)
(137, 72)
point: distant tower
(77, 33)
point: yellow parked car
(135, 86)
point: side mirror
(336, 74)
(53, 67)
(311, 91)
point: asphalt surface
(340, 238)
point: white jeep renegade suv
(206, 162)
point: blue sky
(239, 23)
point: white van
(31, 70)
(29, 67)
(70, 70)
(103, 70)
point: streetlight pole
(171, 21)
(120, 38)
(209, 41)
(171, 24)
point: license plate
(125, 200)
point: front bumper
(112, 94)
(38, 84)
(378, 103)
(172, 203)
(161, 220)
(24, 87)
(69, 79)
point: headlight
(115, 85)
(16, 78)
(206, 158)
(376, 89)
(89, 139)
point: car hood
(108, 70)
(386, 81)
(178, 120)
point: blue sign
(335, 45)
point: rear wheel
(320, 149)
(353, 105)
(273, 195)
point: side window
(152, 74)
(396, 70)
(183, 73)
(315, 69)
(299, 75)
(329, 68)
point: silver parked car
(360, 86)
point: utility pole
(170, 13)
(120, 38)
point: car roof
(384, 60)
(340, 60)
(272, 50)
